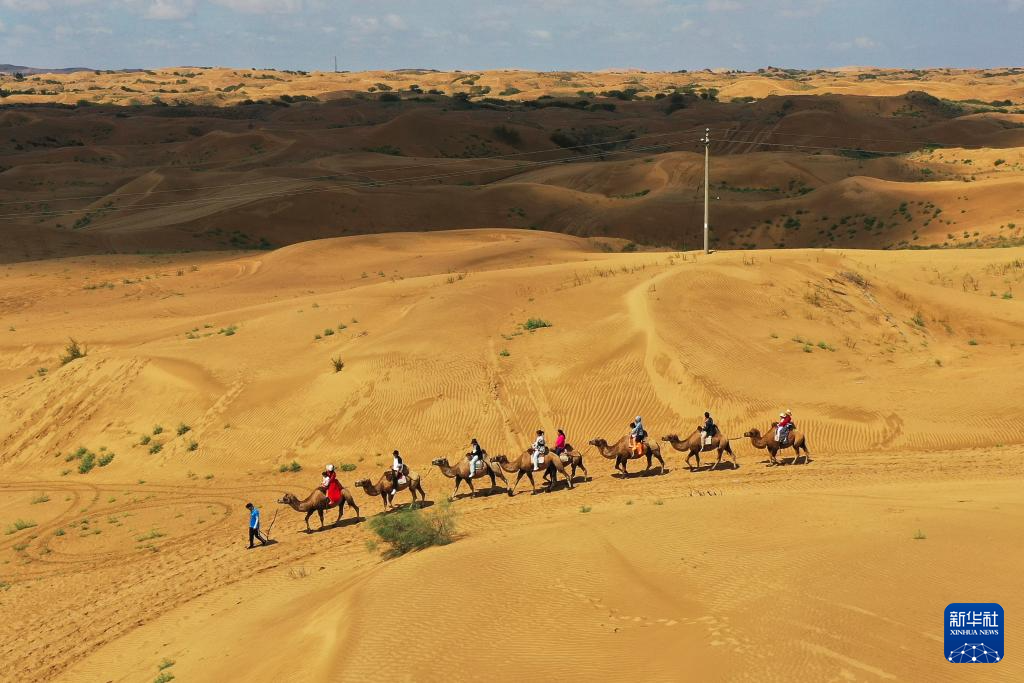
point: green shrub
(73, 351)
(41, 498)
(192, 445)
(157, 430)
(105, 459)
(338, 364)
(156, 447)
(972, 342)
(504, 353)
(535, 324)
(329, 332)
(585, 508)
(918, 319)
(183, 428)
(290, 467)
(144, 441)
(347, 467)
(87, 463)
(18, 525)
(411, 529)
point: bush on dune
(411, 529)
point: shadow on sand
(351, 521)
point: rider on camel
(637, 435)
(476, 454)
(397, 469)
(785, 424)
(709, 429)
(540, 449)
(331, 486)
(560, 442)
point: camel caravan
(561, 460)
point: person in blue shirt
(254, 525)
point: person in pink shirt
(560, 442)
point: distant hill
(30, 70)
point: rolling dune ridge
(900, 366)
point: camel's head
(775, 424)
(500, 458)
(361, 482)
(669, 438)
(753, 432)
(439, 461)
(600, 443)
(288, 499)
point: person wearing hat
(254, 525)
(540, 449)
(476, 454)
(637, 435)
(785, 422)
(331, 486)
(397, 469)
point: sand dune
(799, 159)
(898, 365)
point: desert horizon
(259, 325)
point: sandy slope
(755, 573)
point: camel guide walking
(254, 525)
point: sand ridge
(897, 365)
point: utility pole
(335, 64)
(707, 143)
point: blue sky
(530, 34)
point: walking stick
(269, 528)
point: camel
(694, 444)
(317, 502)
(461, 472)
(384, 486)
(523, 465)
(796, 440)
(622, 453)
(571, 457)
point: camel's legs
(308, 515)
(458, 480)
(469, 483)
(518, 477)
(529, 475)
(341, 510)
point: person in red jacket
(331, 486)
(785, 423)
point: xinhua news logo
(974, 633)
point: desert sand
(902, 367)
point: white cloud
(2, 27)
(803, 8)
(684, 25)
(723, 5)
(540, 34)
(169, 10)
(262, 6)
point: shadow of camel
(791, 460)
(337, 525)
(720, 466)
(419, 505)
(653, 472)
